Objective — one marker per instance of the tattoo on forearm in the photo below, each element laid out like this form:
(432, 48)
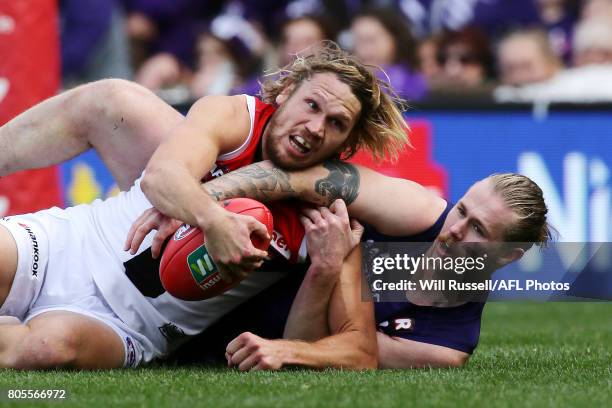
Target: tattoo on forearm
(259, 181)
(341, 182)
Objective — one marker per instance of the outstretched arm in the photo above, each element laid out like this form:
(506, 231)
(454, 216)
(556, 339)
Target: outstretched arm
(393, 206)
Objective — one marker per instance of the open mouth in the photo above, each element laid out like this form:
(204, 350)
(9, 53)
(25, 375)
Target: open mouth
(300, 144)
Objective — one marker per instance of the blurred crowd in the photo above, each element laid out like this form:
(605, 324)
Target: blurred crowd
(512, 50)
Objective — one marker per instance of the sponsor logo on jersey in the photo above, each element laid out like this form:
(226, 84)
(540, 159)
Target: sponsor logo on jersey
(35, 256)
(171, 331)
(279, 242)
(203, 269)
(183, 231)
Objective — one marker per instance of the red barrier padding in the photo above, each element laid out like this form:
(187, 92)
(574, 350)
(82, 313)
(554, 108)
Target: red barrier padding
(414, 163)
(29, 73)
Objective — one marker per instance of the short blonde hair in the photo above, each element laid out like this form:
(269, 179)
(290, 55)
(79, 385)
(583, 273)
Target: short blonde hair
(380, 127)
(526, 199)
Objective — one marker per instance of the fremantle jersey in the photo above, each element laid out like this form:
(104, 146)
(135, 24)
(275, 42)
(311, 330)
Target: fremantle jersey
(265, 314)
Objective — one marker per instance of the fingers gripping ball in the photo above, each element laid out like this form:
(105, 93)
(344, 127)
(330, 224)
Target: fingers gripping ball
(186, 270)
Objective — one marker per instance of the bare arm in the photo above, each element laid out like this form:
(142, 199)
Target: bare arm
(330, 238)
(172, 178)
(395, 352)
(393, 206)
(172, 184)
(352, 345)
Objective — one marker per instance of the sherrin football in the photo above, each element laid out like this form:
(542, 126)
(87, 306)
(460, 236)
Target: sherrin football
(186, 270)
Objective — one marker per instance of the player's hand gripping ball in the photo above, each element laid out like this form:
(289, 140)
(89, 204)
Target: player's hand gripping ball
(186, 270)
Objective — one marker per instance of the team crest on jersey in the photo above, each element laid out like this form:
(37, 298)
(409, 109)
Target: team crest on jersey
(171, 332)
(183, 231)
(203, 269)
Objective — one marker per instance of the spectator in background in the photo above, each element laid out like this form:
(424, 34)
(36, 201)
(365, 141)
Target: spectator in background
(163, 35)
(491, 16)
(382, 38)
(160, 71)
(227, 53)
(596, 9)
(298, 37)
(558, 17)
(428, 59)
(465, 59)
(526, 57)
(93, 42)
(589, 80)
(593, 41)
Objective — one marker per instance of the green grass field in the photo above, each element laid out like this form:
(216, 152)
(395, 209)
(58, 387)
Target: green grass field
(536, 354)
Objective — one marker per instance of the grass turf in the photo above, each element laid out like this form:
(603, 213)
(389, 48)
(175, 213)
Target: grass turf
(531, 354)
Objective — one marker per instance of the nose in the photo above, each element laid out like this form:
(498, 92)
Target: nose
(457, 230)
(316, 126)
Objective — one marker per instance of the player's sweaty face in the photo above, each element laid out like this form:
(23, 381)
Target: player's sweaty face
(312, 123)
(476, 224)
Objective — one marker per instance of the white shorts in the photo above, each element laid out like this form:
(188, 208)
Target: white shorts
(38, 287)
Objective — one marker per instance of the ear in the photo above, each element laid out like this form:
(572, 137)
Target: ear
(512, 255)
(285, 94)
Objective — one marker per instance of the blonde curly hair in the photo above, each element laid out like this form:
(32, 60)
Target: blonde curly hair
(380, 127)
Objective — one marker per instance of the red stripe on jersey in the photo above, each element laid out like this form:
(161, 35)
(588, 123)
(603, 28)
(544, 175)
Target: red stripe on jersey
(288, 230)
(263, 112)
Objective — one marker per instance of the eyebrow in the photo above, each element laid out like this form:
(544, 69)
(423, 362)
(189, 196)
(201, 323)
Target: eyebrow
(475, 220)
(345, 119)
(342, 113)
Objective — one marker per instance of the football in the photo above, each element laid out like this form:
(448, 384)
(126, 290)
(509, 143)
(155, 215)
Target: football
(187, 271)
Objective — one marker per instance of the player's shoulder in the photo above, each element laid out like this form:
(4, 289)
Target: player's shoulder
(225, 118)
(234, 105)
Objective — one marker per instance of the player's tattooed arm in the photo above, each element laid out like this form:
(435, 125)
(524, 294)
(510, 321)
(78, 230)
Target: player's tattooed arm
(260, 181)
(342, 181)
(320, 185)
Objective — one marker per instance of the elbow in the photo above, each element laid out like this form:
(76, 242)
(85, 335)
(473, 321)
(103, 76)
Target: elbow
(457, 360)
(369, 362)
(368, 356)
(147, 183)
(363, 361)
(151, 179)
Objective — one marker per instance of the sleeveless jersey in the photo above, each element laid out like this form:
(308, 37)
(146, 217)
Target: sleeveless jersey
(130, 283)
